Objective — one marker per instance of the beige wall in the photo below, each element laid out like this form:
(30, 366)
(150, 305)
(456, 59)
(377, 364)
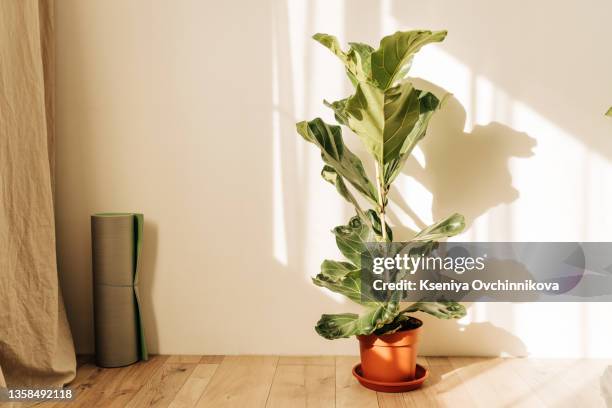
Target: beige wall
(184, 111)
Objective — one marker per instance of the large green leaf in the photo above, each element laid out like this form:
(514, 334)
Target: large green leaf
(335, 326)
(428, 104)
(382, 120)
(451, 225)
(335, 271)
(346, 279)
(402, 108)
(349, 286)
(392, 59)
(359, 62)
(364, 115)
(441, 310)
(328, 138)
(353, 237)
(609, 112)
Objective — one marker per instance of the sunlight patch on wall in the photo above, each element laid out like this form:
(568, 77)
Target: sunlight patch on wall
(388, 23)
(551, 170)
(315, 74)
(327, 79)
(485, 100)
(443, 70)
(420, 202)
(298, 38)
(325, 209)
(279, 232)
(419, 156)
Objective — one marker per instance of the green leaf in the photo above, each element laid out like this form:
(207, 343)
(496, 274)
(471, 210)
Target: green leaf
(335, 271)
(345, 278)
(428, 104)
(392, 59)
(349, 286)
(448, 227)
(332, 43)
(352, 238)
(382, 120)
(359, 62)
(376, 224)
(365, 116)
(393, 326)
(330, 175)
(335, 326)
(328, 138)
(339, 108)
(441, 310)
(609, 112)
(356, 60)
(402, 108)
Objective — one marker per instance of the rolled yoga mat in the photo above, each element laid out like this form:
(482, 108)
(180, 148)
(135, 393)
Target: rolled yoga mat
(116, 240)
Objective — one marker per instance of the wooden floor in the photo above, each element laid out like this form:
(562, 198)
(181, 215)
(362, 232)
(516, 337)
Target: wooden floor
(271, 381)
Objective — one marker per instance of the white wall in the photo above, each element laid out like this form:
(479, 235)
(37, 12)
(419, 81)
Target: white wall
(185, 111)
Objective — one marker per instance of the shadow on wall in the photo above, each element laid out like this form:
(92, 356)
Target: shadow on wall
(473, 339)
(531, 64)
(466, 173)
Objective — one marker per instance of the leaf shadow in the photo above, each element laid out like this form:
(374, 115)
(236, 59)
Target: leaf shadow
(465, 172)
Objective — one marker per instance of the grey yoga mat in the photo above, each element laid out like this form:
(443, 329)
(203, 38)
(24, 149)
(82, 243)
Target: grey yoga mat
(116, 240)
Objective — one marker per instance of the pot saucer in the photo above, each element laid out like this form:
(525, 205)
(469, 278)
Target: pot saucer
(403, 386)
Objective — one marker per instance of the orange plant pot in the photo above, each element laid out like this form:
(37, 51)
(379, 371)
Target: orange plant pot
(390, 357)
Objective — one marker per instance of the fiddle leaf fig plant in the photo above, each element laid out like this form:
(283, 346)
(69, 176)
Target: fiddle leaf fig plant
(390, 116)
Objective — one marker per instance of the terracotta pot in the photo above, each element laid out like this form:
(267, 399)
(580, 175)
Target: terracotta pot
(390, 357)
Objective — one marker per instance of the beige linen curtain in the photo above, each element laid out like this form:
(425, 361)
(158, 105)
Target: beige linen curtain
(36, 346)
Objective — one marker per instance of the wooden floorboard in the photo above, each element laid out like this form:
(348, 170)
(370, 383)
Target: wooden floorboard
(307, 360)
(491, 382)
(187, 381)
(191, 392)
(349, 394)
(162, 387)
(443, 388)
(303, 386)
(124, 383)
(240, 381)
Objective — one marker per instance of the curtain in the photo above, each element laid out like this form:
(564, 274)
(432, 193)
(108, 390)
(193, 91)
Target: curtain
(36, 346)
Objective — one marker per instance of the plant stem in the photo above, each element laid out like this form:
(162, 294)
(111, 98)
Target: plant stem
(382, 199)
